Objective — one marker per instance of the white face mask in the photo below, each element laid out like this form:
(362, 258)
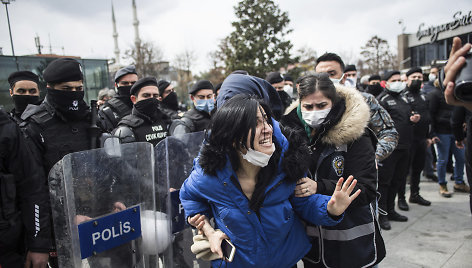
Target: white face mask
(336, 81)
(257, 158)
(432, 77)
(315, 118)
(350, 82)
(396, 86)
(289, 90)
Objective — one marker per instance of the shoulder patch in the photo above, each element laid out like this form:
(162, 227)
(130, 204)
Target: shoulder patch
(391, 102)
(338, 165)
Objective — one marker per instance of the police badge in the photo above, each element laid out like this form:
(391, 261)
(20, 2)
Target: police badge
(338, 165)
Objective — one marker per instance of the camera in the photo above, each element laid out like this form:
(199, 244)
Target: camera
(463, 83)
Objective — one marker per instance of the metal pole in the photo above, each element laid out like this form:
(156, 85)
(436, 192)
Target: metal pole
(9, 29)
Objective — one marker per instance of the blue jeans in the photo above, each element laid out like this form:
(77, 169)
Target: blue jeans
(447, 143)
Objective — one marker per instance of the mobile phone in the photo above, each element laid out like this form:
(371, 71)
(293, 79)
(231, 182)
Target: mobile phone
(228, 250)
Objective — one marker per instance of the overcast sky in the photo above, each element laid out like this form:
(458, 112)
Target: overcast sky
(84, 28)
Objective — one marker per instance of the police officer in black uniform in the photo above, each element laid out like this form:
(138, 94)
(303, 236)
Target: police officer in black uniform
(119, 106)
(24, 207)
(146, 122)
(169, 103)
(278, 82)
(418, 103)
(198, 118)
(24, 90)
(394, 169)
(61, 124)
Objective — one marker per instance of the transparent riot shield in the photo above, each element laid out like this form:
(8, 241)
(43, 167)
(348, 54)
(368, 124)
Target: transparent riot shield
(105, 211)
(174, 161)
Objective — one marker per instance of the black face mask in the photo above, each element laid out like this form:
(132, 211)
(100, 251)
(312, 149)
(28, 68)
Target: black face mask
(374, 89)
(415, 85)
(148, 107)
(284, 97)
(171, 101)
(124, 95)
(70, 104)
(22, 101)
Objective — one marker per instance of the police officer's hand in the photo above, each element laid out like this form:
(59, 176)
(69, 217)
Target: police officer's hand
(429, 142)
(415, 118)
(435, 140)
(305, 187)
(118, 206)
(81, 218)
(454, 65)
(36, 260)
(460, 144)
(342, 198)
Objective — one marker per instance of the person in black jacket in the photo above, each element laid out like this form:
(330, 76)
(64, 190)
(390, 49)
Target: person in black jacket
(333, 122)
(169, 103)
(198, 118)
(146, 123)
(119, 106)
(24, 90)
(24, 210)
(394, 169)
(277, 81)
(443, 137)
(419, 105)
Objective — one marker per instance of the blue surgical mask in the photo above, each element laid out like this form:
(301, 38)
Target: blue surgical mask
(205, 105)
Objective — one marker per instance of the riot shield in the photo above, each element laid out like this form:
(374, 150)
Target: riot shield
(174, 161)
(105, 211)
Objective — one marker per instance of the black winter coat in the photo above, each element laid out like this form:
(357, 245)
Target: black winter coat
(400, 111)
(24, 196)
(419, 104)
(340, 147)
(441, 113)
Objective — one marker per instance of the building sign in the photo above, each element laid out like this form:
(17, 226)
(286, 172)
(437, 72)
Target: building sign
(433, 31)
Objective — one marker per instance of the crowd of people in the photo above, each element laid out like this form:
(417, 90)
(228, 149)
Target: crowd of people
(303, 166)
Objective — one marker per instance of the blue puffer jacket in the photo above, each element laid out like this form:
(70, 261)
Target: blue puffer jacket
(275, 239)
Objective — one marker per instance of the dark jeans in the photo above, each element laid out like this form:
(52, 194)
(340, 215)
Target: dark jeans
(417, 156)
(392, 173)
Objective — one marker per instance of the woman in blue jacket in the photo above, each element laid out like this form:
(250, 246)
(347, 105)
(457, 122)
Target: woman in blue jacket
(243, 179)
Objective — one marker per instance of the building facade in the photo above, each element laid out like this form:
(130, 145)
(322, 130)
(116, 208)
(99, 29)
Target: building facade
(96, 74)
(432, 44)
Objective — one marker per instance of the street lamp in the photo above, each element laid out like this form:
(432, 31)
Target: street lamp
(6, 2)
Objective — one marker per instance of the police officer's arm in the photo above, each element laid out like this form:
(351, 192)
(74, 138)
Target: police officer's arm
(433, 100)
(177, 127)
(32, 193)
(125, 134)
(106, 119)
(383, 126)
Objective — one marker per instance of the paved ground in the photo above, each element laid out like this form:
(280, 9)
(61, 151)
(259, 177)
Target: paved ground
(436, 236)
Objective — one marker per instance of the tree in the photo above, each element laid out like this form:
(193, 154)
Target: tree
(377, 55)
(257, 42)
(146, 57)
(184, 62)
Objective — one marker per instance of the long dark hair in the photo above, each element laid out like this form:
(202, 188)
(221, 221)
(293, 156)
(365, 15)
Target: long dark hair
(229, 130)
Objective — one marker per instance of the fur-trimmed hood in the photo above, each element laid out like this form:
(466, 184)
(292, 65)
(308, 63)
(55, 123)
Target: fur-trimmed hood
(352, 123)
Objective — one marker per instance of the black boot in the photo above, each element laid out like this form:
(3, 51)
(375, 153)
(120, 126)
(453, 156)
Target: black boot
(402, 204)
(384, 222)
(418, 199)
(395, 216)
